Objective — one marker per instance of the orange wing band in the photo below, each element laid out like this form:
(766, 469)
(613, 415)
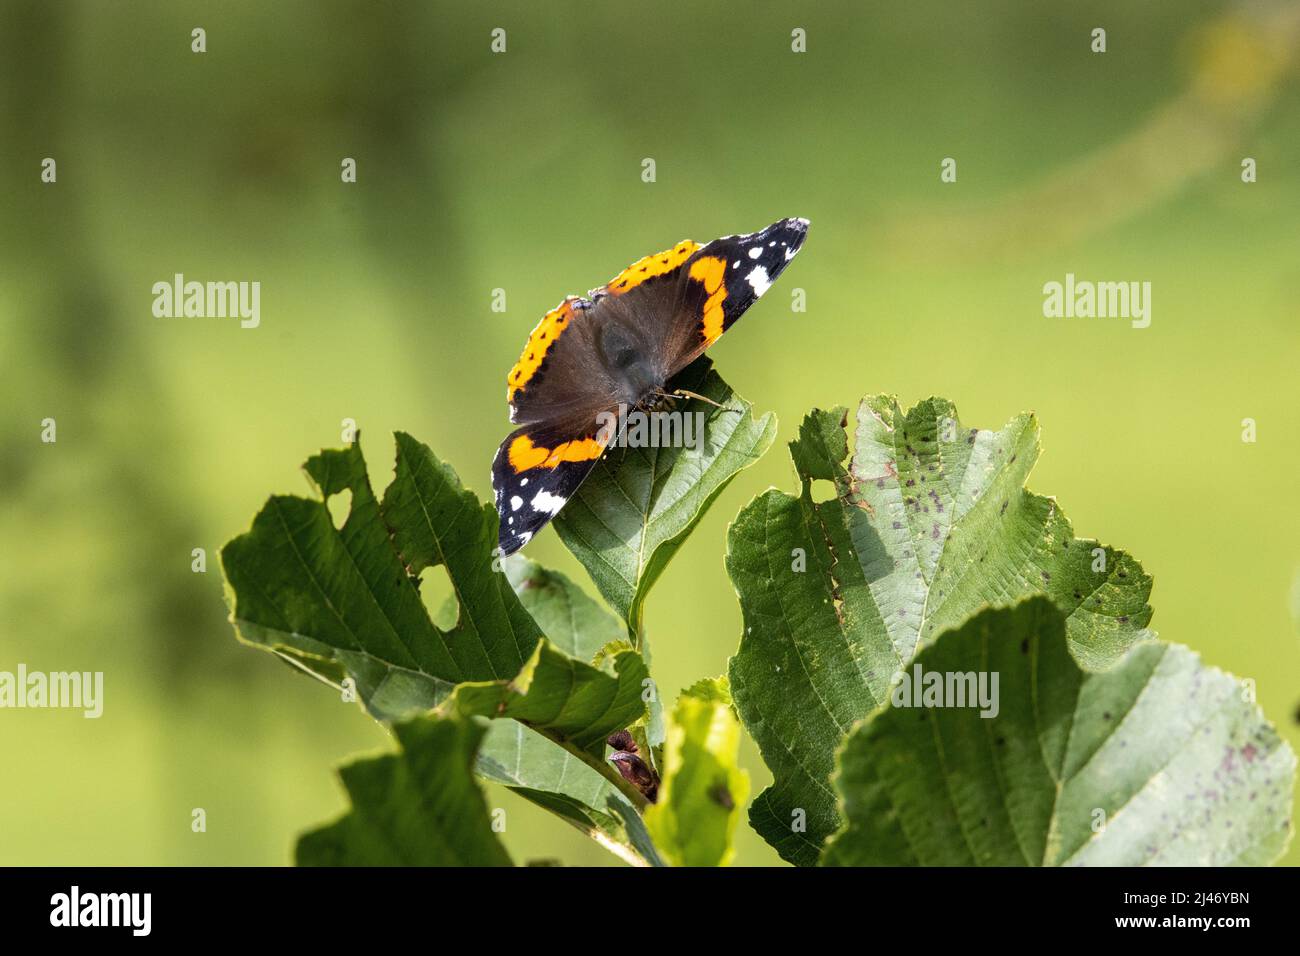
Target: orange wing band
(539, 341)
(650, 267)
(709, 271)
(524, 455)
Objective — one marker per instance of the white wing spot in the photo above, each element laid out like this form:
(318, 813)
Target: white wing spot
(758, 280)
(516, 502)
(545, 501)
(755, 252)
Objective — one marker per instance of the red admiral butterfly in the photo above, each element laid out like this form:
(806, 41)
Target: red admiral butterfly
(620, 346)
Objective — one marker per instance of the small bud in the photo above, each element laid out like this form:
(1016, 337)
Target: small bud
(622, 740)
(635, 772)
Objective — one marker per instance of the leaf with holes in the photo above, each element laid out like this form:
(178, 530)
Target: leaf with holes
(418, 807)
(345, 601)
(1159, 760)
(930, 521)
(639, 504)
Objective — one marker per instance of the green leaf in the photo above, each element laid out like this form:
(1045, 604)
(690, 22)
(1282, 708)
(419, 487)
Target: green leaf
(639, 504)
(417, 807)
(537, 768)
(703, 788)
(570, 619)
(544, 773)
(649, 731)
(346, 601)
(1159, 760)
(929, 522)
(572, 703)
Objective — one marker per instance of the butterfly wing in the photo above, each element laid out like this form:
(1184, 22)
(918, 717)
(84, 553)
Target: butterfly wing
(536, 471)
(553, 374)
(723, 279)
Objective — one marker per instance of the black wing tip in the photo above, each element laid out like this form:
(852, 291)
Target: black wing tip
(790, 232)
(790, 226)
(798, 230)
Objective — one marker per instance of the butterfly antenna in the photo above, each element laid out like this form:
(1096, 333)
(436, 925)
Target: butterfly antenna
(708, 401)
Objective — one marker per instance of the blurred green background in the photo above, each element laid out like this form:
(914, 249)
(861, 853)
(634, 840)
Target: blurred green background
(522, 171)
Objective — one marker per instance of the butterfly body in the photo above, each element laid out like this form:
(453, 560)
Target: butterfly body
(619, 347)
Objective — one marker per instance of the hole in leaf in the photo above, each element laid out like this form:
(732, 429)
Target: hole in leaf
(340, 506)
(823, 490)
(439, 597)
